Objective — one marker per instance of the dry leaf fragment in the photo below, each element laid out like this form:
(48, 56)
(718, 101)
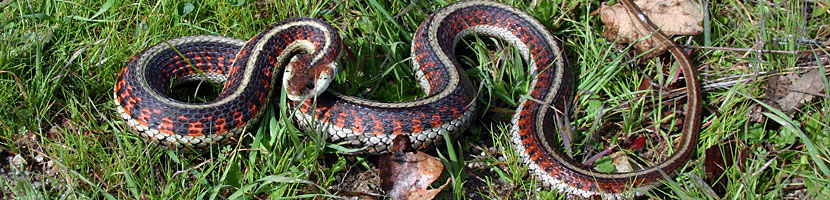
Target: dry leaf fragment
(674, 17)
(788, 92)
(407, 175)
(638, 143)
(425, 194)
(621, 163)
(718, 159)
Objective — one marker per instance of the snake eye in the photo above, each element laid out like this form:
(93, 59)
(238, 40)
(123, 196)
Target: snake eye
(310, 85)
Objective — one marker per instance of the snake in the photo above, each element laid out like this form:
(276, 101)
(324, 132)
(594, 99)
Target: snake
(306, 51)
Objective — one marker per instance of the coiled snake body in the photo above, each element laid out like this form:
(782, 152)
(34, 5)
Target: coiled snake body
(309, 48)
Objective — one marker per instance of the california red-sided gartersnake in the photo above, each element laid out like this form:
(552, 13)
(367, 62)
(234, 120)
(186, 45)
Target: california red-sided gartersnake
(309, 48)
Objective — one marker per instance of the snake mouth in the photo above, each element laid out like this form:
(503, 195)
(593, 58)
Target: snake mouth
(305, 82)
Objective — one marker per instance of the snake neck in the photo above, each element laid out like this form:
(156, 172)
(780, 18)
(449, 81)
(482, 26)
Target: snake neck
(309, 46)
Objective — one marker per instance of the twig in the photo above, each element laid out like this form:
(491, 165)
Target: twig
(755, 50)
(706, 187)
(801, 41)
(598, 155)
(746, 11)
(193, 168)
(565, 134)
(807, 92)
(764, 167)
(77, 53)
(18, 83)
(406, 10)
(595, 126)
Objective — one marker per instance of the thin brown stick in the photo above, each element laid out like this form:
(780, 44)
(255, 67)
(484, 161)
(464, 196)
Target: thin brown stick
(18, 83)
(746, 11)
(756, 50)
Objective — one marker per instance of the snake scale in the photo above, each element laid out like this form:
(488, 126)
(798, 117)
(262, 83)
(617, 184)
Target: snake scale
(309, 48)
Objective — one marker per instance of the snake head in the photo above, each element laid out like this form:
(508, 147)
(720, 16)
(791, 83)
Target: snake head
(304, 78)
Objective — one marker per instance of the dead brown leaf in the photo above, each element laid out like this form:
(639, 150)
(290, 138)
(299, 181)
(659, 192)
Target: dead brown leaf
(718, 159)
(674, 17)
(407, 175)
(791, 91)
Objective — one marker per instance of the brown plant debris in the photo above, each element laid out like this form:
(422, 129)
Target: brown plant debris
(407, 175)
(674, 17)
(788, 92)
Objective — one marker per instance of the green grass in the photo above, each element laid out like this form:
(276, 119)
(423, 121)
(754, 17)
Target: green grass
(59, 61)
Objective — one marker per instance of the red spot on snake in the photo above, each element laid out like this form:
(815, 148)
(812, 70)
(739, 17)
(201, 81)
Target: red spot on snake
(209, 58)
(200, 65)
(424, 65)
(357, 125)
(455, 112)
(242, 53)
(221, 63)
(219, 125)
(195, 129)
(166, 126)
(323, 109)
(398, 129)
(416, 123)
(306, 106)
(182, 118)
(143, 116)
(263, 97)
(525, 112)
(127, 111)
(268, 71)
(124, 72)
(237, 116)
(128, 106)
(341, 119)
(378, 126)
(436, 120)
(123, 95)
(429, 75)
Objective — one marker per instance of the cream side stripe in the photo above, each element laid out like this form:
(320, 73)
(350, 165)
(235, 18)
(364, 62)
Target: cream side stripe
(141, 66)
(453, 74)
(539, 129)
